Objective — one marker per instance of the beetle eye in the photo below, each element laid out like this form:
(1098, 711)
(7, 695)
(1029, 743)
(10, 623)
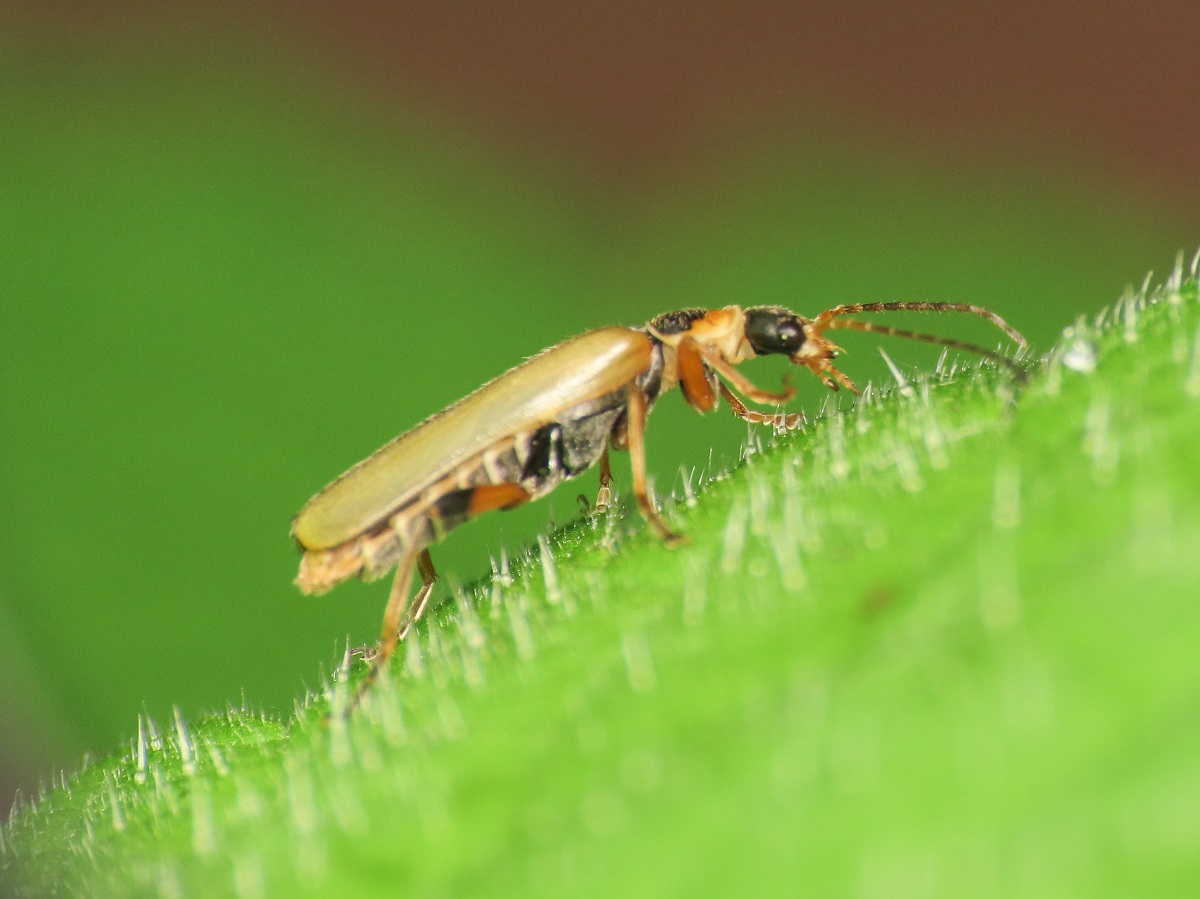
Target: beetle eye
(773, 329)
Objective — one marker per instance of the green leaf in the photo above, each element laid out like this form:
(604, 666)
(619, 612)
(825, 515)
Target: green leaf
(940, 642)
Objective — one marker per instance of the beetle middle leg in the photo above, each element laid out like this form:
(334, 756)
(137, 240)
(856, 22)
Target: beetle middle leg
(636, 436)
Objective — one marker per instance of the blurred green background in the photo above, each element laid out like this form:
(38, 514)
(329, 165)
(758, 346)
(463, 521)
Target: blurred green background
(241, 247)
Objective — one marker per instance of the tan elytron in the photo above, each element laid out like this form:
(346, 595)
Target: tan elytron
(522, 399)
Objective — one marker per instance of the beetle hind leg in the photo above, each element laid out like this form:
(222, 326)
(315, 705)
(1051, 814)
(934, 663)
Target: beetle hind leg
(400, 615)
(421, 600)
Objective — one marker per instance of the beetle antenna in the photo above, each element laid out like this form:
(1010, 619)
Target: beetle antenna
(824, 320)
(832, 319)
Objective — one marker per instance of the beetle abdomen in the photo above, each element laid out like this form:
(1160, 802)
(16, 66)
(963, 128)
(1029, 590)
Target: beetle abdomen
(533, 464)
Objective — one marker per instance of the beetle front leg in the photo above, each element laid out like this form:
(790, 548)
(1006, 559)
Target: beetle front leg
(785, 421)
(636, 435)
(743, 384)
(696, 380)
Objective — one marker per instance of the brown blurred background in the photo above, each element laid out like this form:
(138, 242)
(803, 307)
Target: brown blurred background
(630, 93)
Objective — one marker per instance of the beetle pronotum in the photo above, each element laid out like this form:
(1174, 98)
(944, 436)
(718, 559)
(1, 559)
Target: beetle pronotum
(551, 418)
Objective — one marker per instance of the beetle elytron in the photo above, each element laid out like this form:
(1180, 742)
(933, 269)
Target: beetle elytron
(551, 418)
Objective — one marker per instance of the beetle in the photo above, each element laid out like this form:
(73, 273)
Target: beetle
(550, 419)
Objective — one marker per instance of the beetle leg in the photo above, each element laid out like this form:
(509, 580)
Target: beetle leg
(619, 438)
(638, 409)
(400, 615)
(421, 600)
(785, 421)
(393, 615)
(695, 379)
(738, 380)
(604, 495)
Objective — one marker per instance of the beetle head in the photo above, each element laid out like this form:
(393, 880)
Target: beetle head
(776, 330)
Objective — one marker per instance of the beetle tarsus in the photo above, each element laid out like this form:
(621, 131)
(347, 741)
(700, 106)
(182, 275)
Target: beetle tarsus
(604, 494)
(782, 421)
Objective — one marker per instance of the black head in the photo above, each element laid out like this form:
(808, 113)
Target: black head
(773, 330)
